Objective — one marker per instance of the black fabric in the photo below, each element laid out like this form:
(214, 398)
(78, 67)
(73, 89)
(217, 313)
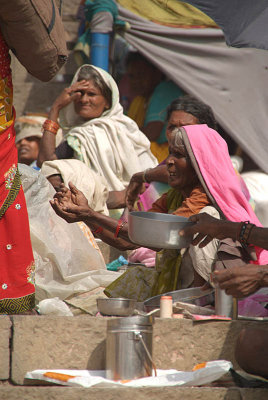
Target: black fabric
(64, 151)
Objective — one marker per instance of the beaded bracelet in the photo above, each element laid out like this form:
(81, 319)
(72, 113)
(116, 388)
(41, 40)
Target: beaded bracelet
(50, 126)
(244, 232)
(119, 227)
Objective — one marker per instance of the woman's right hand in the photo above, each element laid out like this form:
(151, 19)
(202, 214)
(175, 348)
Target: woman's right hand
(69, 95)
(135, 187)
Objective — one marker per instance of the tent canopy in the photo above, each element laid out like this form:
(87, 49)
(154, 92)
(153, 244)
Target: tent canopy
(234, 82)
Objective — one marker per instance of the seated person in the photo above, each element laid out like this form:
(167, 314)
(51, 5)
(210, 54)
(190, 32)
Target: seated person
(153, 94)
(185, 110)
(251, 348)
(96, 130)
(28, 136)
(198, 184)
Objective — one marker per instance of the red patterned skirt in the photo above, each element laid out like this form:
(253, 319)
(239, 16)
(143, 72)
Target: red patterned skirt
(17, 292)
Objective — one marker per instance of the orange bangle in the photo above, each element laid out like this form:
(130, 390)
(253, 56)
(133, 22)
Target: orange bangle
(50, 126)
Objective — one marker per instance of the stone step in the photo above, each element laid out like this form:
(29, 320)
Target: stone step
(174, 393)
(50, 342)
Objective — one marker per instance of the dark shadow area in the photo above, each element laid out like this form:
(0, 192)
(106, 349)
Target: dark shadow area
(97, 358)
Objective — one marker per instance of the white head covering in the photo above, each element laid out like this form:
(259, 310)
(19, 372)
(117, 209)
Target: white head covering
(112, 144)
(29, 125)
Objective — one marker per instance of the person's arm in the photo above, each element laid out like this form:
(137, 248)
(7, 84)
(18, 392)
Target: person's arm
(116, 199)
(241, 281)
(136, 184)
(72, 206)
(259, 237)
(48, 140)
(208, 228)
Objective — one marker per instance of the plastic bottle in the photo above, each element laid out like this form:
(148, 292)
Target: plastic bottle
(166, 308)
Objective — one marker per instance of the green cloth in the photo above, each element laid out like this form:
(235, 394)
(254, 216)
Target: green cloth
(92, 7)
(139, 282)
(164, 93)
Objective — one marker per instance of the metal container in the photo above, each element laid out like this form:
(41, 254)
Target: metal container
(195, 296)
(129, 347)
(158, 230)
(117, 306)
(224, 304)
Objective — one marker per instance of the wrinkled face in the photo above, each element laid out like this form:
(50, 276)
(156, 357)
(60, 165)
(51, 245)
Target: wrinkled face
(181, 173)
(28, 149)
(178, 119)
(91, 103)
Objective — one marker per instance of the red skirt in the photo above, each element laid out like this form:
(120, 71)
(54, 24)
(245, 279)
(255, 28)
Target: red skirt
(17, 292)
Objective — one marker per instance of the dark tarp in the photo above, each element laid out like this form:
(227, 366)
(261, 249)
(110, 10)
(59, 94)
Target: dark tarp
(234, 82)
(244, 22)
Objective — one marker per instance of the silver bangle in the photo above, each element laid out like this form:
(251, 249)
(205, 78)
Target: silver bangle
(144, 175)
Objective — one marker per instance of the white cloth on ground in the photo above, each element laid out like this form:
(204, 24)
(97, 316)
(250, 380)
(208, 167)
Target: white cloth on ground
(92, 185)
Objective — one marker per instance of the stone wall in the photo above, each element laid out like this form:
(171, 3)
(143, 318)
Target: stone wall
(43, 342)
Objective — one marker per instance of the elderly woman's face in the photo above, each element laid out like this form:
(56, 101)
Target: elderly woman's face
(91, 104)
(178, 119)
(182, 176)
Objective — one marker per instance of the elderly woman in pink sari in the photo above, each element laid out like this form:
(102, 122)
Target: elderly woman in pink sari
(202, 179)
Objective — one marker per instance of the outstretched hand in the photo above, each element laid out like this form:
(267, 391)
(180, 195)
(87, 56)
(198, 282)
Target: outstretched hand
(207, 228)
(71, 204)
(135, 187)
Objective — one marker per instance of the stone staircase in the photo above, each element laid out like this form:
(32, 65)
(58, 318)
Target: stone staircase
(46, 342)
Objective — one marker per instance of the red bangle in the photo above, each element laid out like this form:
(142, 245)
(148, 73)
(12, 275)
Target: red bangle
(119, 227)
(97, 230)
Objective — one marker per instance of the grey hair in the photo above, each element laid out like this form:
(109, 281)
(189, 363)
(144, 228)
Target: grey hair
(89, 73)
(176, 136)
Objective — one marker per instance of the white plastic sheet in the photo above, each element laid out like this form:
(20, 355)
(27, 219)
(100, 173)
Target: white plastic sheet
(66, 262)
(212, 371)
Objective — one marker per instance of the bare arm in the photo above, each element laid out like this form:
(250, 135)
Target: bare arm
(48, 140)
(208, 227)
(136, 184)
(72, 206)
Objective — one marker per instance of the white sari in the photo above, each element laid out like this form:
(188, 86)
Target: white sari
(112, 145)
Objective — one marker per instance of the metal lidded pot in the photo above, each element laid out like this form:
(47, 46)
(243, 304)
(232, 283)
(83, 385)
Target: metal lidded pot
(129, 347)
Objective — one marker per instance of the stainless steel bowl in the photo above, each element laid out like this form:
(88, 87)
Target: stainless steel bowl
(195, 296)
(119, 307)
(158, 230)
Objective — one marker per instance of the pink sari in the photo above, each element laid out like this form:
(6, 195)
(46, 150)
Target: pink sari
(214, 163)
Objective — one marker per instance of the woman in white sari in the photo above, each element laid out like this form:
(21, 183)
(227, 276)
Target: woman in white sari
(96, 130)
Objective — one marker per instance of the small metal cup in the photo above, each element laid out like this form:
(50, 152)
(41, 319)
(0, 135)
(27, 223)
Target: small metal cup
(224, 304)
